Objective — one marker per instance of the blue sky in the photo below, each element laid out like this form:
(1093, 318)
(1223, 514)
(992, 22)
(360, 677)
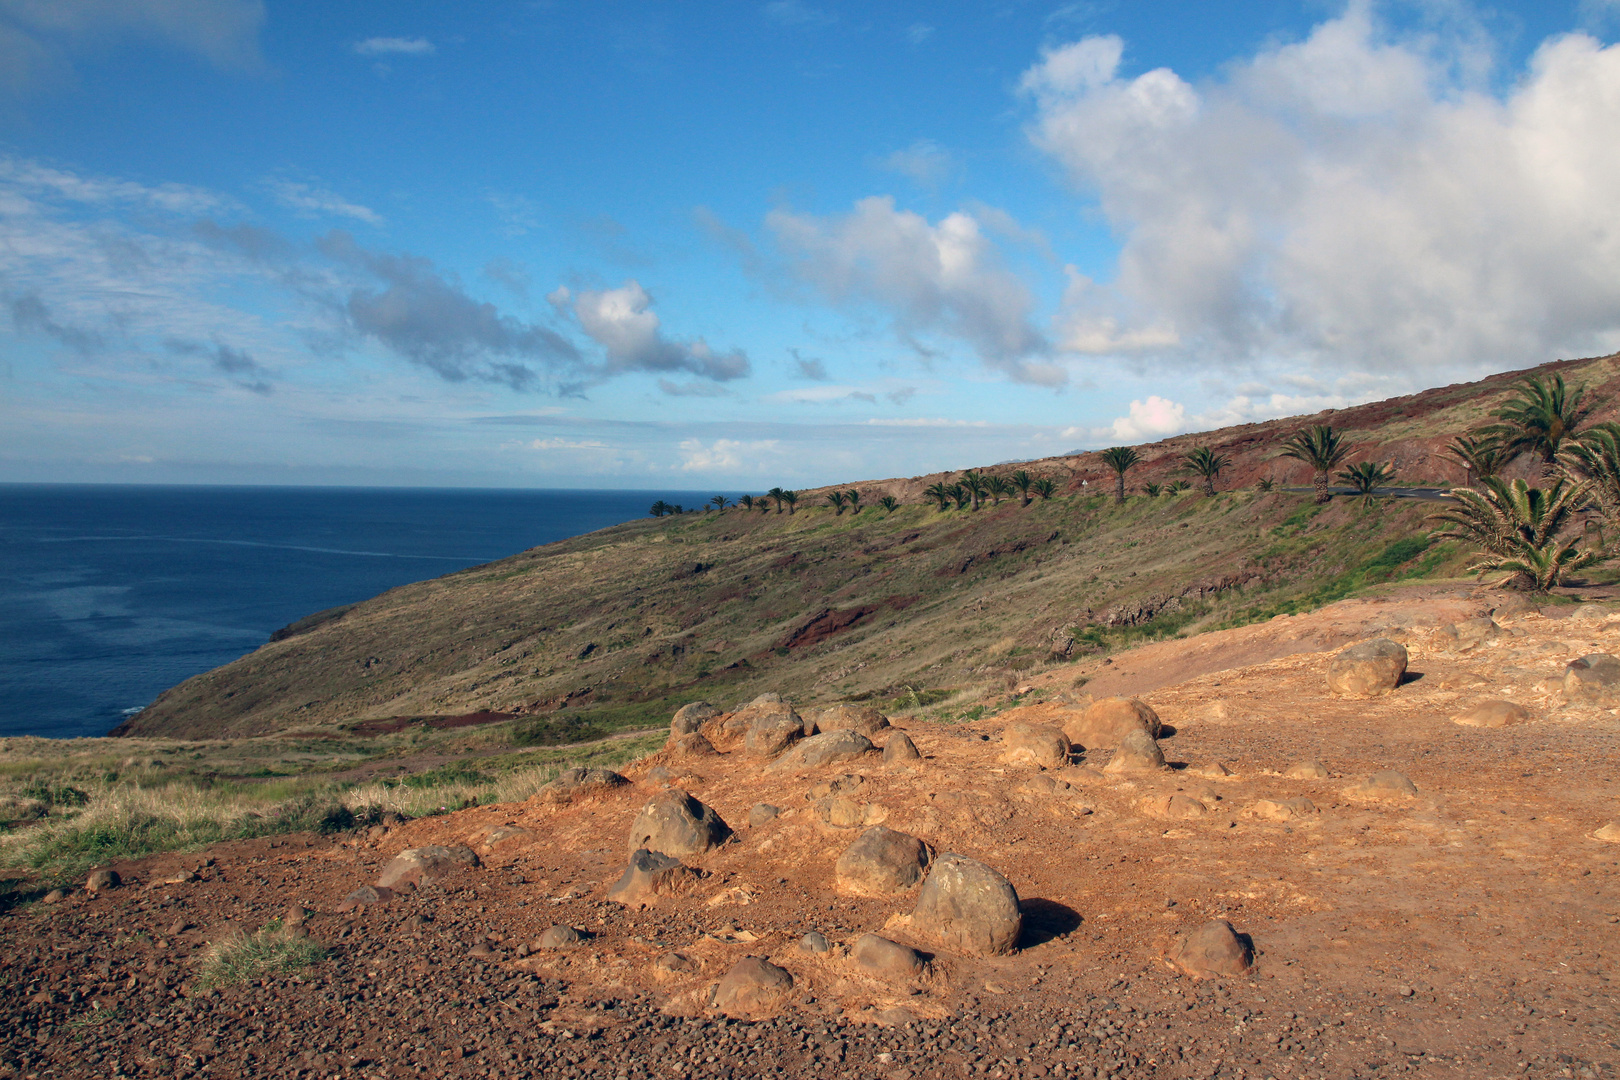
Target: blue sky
(741, 245)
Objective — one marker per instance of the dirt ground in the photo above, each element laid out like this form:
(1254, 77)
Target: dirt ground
(1467, 931)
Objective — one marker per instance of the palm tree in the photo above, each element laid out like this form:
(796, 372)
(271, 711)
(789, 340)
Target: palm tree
(1044, 488)
(1120, 459)
(1480, 457)
(1265, 483)
(1206, 463)
(836, 498)
(789, 497)
(1021, 480)
(763, 504)
(659, 509)
(1366, 475)
(939, 493)
(889, 503)
(853, 497)
(1594, 456)
(1322, 449)
(776, 493)
(745, 501)
(997, 486)
(720, 502)
(962, 495)
(975, 485)
(1152, 490)
(1177, 487)
(1516, 527)
(1539, 419)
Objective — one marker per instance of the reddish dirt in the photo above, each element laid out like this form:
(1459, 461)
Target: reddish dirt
(1469, 931)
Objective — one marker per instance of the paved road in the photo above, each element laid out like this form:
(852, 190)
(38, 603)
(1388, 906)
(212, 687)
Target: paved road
(1426, 494)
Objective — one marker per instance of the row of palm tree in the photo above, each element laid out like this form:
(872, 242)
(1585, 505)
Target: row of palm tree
(975, 487)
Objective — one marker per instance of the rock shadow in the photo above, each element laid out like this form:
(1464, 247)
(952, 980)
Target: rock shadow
(1166, 731)
(1045, 920)
(1411, 677)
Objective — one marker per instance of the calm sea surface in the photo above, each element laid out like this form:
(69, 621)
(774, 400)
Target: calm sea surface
(111, 594)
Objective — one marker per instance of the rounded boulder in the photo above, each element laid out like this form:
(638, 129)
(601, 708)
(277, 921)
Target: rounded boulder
(674, 823)
(882, 862)
(1367, 670)
(771, 733)
(1213, 950)
(1137, 752)
(886, 959)
(900, 748)
(968, 907)
(1492, 714)
(1040, 745)
(1105, 724)
(861, 718)
(688, 718)
(825, 749)
(754, 987)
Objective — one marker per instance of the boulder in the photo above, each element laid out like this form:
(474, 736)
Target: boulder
(415, 867)
(571, 784)
(968, 907)
(1593, 679)
(674, 823)
(886, 959)
(825, 749)
(761, 814)
(1367, 670)
(102, 880)
(1137, 752)
(861, 718)
(882, 862)
(816, 943)
(752, 988)
(1105, 723)
(1040, 745)
(842, 812)
(688, 718)
(1280, 809)
(1213, 950)
(1175, 807)
(1384, 785)
(1492, 714)
(693, 745)
(674, 965)
(900, 748)
(560, 937)
(1307, 770)
(771, 733)
(1465, 635)
(649, 876)
(770, 697)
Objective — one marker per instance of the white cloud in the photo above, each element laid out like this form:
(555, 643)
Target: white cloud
(725, 455)
(945, 278)
(312, 200)
(924, 161)
(1152, 419)
(395, 46)
(622, 321)
(924, 422)
(1354, 198)
(560, 443)
(36, 181)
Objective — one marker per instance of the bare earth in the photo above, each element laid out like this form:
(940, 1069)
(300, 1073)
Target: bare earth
(1469, 931)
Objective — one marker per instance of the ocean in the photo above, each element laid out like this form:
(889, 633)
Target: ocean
(111, 594)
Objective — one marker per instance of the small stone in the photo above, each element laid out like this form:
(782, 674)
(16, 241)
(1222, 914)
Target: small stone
(882, 862)
(1040, 745)
(55, 896)
(815, 942)
(1492, 714)
(1280, 809)
(649, 876)
(900, 748)
(482, 949)
(968, 907)
(673, 965)
(1106, 723)
(506, 835)
(560, 936)
(100, 880)
(1593, 679)
(415, 867)
(1137, 752)
(754, 987)
(1404, 991)
(1369, 669)
(295, 915)
(762, 813)
(1384, 785)
(1176, 807)
(1214, 770)
(1465, 635)
(366, 896)
(1214, 949)
(889, 959)
(675, 823)
(1307, 770)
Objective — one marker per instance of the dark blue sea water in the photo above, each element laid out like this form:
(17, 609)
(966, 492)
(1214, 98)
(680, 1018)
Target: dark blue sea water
(111, 594)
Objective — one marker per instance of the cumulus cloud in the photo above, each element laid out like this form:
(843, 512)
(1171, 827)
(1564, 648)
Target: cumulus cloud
(1147, 420)
(724, 455)
(946, 278)
(312, 200)
(38, 37)
(622, 321)
(1355, 197)
(431, 320)
(924, 161)
(395, 46)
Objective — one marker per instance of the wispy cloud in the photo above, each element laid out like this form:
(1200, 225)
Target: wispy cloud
(797, 13)
(919, 32)
(923, 161)
(312, 200)
(395, 46)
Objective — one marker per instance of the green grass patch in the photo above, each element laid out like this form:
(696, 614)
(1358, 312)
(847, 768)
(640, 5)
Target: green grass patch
(268, 952)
